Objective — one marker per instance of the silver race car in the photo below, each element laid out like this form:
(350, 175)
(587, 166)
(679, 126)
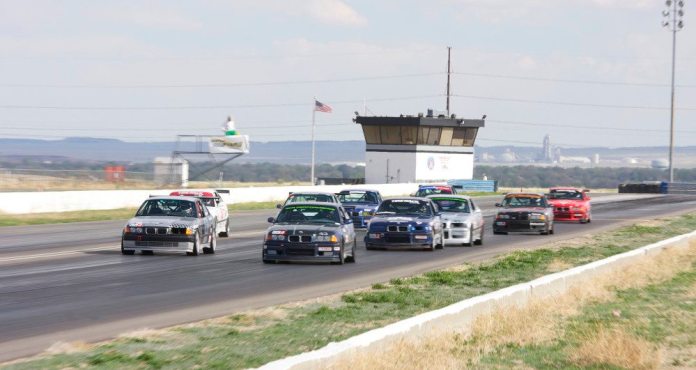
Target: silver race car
(172, 224)
(462, 220)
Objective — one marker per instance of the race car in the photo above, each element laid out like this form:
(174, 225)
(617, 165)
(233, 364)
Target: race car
(216, 205)
(171, 224)
(570, 204)
(524, 212)
(309, 196)
(405, 223)
(425, 190)
(360, 205)
(462, 220)
(310, 232)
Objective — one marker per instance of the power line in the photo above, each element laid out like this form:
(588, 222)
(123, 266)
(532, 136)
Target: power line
(203, 107)
(549, 102)
(225, 85)
(573, 81)
(579, 126)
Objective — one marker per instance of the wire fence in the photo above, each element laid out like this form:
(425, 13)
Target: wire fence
(45, 179)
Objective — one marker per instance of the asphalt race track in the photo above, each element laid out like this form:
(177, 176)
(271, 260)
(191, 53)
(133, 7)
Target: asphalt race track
(70, 282)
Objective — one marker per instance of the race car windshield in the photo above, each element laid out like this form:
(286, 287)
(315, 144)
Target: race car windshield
(167, 208)
(295, 198)
(357, 197)
(565, 195)
(308, 215)
(453, 205)
(210, 202)
(404, 208)
(523, 202)
(427, 191)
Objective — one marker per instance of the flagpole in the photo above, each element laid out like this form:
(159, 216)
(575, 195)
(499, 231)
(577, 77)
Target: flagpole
(314, 112)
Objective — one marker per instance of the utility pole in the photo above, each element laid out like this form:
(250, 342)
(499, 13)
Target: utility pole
(449, 71)
(673, 21)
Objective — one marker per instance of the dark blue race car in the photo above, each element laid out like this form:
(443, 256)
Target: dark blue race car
(360, 204)
(405, 223)
(310, 232)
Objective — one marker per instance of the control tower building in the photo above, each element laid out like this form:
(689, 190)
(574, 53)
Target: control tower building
(419, 148)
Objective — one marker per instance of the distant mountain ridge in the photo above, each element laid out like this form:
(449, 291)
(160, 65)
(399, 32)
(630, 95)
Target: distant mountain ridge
(286, 152)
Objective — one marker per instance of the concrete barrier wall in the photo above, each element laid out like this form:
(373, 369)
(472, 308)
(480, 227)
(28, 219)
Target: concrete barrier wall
(61, 201)
(463, 313)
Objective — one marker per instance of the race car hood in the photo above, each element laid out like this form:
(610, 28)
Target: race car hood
(360, 206)
(522, 209)
(161, 221)
(457, 217)
(567, 202)
(294, 229)
(380, 223)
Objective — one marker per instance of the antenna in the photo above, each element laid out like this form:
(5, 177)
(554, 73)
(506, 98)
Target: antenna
(449, 70)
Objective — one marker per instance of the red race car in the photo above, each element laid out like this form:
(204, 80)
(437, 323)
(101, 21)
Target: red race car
(570, 204)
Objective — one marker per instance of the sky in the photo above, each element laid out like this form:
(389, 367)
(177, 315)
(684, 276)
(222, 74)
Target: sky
(586, 72)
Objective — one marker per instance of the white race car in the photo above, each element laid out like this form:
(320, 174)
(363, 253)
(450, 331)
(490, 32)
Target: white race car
(215, 204)
(462, 219)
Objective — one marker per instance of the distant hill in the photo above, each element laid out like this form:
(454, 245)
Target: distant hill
(95, 149)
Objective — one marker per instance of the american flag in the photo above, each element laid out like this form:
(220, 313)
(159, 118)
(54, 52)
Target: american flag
(321, 107)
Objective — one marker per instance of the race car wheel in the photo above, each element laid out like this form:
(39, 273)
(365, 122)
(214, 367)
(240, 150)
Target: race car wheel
(552, 230)
(147, 253)
(479, 241)
(369, 247)
(471, 237)
(342, 256)
(351, 259)
(226, 232)
(194, 252)
(125, 252)
(211, 245)
(441, 243)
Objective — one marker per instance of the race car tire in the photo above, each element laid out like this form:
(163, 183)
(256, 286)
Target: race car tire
(479, 241)
(351, 259)
(441, 241)
(125, 252)
(369, 247)
(226, 232)
(552, 230)
(194, 252)
(499, 232)
(342, 257)
(212, 244)
(269, 261)
(147, 253)
(471, 237)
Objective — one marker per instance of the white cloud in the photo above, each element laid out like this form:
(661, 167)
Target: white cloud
(147, 15)
(335, 12)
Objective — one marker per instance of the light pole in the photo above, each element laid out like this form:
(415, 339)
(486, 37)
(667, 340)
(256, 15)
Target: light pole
(673, 21)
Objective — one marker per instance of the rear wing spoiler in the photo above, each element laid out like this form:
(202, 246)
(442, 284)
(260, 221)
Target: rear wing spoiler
(223, 191)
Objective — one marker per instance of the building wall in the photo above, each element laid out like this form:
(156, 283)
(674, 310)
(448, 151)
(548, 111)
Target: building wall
(390, 167)
(406, 167)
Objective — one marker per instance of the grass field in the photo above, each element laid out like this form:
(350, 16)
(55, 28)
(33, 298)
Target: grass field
(252, 338)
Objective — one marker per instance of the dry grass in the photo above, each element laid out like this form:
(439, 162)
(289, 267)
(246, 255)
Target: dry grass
(615, 346)
(538, 322)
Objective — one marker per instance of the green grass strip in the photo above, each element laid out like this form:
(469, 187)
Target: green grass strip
(257, 337)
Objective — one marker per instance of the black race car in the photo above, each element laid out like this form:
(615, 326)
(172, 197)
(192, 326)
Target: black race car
(310, 232)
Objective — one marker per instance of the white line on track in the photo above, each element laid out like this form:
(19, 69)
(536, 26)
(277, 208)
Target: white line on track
(258, 233)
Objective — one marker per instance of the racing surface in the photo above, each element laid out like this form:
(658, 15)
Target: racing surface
(70, 282)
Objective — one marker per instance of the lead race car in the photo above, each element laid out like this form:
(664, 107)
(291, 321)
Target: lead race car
(570, 204)
(310, 232)
(405, 223)
(462, 220)
(524, 212)
(360, 204)
(171, 224)
(215, 204)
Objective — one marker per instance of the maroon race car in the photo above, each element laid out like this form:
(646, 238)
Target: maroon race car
(570, 204)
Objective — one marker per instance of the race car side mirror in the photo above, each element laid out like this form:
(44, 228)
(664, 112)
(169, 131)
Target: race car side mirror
(271, 219)
(498, 205)
(279, 206)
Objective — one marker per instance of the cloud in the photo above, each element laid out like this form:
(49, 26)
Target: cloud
(148, 15)
(335, 12)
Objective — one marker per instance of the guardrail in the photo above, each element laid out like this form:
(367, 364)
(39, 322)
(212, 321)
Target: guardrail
(662, 187)
(490, 186)
(464, 313)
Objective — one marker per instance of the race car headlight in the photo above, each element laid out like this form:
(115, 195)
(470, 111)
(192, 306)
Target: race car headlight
(189, 231)
(576, 208)
(503, 216)
(537, 216)
(133, 229)
(276, 235)
(328, 238)
(367, 212)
